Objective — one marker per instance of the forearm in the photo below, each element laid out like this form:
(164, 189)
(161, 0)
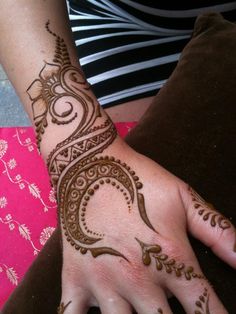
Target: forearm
(25, 45)
(39, 56)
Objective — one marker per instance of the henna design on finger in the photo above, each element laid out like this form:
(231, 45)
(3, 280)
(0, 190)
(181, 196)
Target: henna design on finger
(202, 304)
(61, 309)
(160, 311)
(166, 263)
(60, 95)
(209, 213)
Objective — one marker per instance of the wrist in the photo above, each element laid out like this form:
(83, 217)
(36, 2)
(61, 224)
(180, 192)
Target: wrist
(100, 141)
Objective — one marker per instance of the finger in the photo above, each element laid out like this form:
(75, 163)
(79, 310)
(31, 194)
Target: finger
(150, 300)
(72, 307)
(73, 301)
(185, 279)
(210, 227)
(197, 296)
(111, 303)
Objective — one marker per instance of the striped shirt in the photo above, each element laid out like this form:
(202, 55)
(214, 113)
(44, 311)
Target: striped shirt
(128, 48)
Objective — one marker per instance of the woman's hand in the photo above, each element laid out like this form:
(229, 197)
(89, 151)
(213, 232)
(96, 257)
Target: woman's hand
(134, 217)
(120, 251)
(124, 218)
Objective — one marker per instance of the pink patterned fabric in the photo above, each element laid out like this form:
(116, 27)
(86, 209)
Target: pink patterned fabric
(27, 204)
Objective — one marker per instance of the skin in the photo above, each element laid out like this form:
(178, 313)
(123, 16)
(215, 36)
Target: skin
(130, 248)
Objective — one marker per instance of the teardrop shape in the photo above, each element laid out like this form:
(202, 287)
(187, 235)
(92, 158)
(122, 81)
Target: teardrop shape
(154, 249)
(159, 265)
(146, 258)
(198, 304)
(178, 272)
(206, 216)
(163, 257)
(168, 269)
(171, 262)
(213, 220)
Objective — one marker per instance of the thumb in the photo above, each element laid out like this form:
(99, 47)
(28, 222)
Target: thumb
(209, 226)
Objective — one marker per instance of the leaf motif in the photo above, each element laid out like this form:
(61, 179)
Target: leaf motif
(52, 197)
(24, 232)
(46, 234)
(3, 147)
(34, 190)
(12, 276)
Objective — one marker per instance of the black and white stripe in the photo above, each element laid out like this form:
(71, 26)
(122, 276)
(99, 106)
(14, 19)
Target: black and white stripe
(129, 48)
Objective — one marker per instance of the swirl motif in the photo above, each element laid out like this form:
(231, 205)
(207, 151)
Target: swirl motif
(61, 94)
(96, 171)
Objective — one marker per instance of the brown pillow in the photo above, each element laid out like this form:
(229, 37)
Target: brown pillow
(190, 130)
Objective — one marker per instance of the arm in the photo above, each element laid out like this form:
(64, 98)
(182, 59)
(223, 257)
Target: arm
(116, 207)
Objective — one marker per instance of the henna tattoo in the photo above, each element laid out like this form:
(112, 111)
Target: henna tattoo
(160, 311)
(77, 187)
(59, 96)
(61, 309)
(61, 86)
(76, 148)
(166, 263)
(208, 212)
(202, 304)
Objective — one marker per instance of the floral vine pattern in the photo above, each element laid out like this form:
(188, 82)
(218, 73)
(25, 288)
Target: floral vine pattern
(26, 221)
(21, 182)
(22, 228)
(10, 273)
(28, 142)
(163, 262)
(208, 212)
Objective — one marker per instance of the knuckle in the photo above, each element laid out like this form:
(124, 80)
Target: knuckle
(174, 251)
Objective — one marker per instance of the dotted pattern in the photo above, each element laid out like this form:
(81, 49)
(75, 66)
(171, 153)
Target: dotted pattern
(77, 150)
(123, 179)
